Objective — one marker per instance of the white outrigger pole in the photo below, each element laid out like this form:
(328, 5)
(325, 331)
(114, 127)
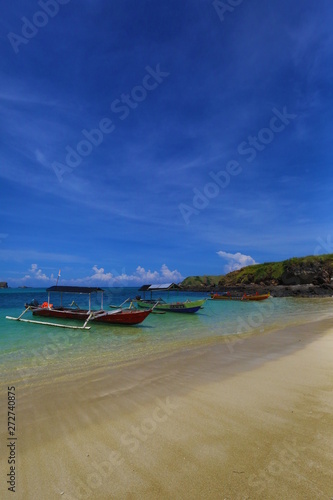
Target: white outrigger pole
(84, 327)
(92, 314)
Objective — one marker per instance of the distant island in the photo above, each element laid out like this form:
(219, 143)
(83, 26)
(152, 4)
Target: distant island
(298, 276)
(3, 284)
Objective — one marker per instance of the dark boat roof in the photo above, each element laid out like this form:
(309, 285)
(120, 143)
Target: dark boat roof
(74, 289)
(163, 287)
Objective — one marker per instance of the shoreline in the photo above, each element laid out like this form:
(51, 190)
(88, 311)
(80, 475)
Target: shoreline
(306, 290)
(41, 374)
(302, 291)
(203, 422)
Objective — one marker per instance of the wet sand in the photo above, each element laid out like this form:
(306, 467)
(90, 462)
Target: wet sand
(247, 419)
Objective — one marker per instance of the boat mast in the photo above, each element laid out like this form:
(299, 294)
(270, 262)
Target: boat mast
(57, 285)
(58, 277)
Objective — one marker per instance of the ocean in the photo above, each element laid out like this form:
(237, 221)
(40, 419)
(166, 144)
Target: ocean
(37, 354)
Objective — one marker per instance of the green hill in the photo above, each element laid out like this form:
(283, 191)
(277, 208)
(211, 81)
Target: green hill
(200, 281)
(316, 270)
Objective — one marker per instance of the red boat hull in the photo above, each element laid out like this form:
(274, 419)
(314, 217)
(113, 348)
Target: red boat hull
(124, 317)
(245, 298)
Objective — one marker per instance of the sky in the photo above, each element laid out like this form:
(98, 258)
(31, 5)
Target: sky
(145, 141)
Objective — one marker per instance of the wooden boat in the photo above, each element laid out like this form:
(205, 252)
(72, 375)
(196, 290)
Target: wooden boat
(132, 302)
(159, 305)
(118, 316)
(245, 297)
(115, 317)
(189, 306)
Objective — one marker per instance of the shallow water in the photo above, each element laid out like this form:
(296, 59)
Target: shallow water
(35, 353)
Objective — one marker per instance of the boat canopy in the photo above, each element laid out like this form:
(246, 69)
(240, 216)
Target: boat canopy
(164, 286)
(74, 289)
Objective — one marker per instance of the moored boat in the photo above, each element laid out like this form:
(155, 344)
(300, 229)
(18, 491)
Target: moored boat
(244, 297)
(160, 305)
(115, 317)
(118, 316)
(188, 306)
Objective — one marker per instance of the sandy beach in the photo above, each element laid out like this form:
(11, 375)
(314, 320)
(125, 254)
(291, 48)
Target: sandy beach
(245, 419)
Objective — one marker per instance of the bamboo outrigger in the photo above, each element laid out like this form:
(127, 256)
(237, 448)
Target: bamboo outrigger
(118, 316)
(30, 308)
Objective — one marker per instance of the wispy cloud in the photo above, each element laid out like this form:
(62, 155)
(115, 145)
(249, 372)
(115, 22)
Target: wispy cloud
(120, 206)
(40, 157)
(23, 255)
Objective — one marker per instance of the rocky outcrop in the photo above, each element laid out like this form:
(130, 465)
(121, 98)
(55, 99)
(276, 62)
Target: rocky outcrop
(305, 277)
(307, 273)
(296, 271)
(3, 284)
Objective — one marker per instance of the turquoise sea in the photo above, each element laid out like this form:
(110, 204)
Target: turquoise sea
(33, 353)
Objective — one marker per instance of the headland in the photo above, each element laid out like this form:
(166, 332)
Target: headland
(310, 276)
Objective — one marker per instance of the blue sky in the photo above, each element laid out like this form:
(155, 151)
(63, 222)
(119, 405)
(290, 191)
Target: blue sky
(146, 141)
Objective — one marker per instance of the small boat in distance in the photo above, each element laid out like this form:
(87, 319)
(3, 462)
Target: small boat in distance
(118, 316)
(244, 297)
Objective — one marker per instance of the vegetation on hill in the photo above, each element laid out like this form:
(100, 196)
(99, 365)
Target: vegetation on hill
(198, 281)
(316, 270)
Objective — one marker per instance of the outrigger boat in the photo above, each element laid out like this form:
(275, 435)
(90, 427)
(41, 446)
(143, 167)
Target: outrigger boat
(189, 306)
(131, 306)
(245, 297)
(160, 305)
(118, 316)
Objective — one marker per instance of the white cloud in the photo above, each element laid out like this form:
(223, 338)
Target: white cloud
(36, 274)
(173, 276)
(139, 277)
(235, 261)
(100, 277)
